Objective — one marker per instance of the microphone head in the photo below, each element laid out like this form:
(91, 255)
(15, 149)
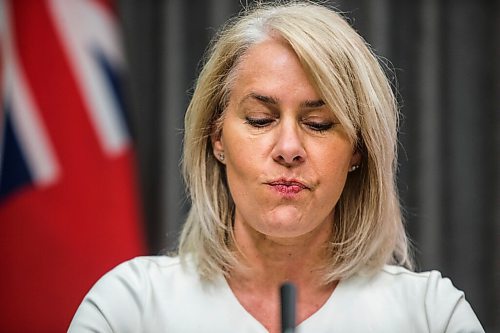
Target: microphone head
(288, 297)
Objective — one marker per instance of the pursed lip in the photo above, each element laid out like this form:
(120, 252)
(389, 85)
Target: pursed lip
(290, 183)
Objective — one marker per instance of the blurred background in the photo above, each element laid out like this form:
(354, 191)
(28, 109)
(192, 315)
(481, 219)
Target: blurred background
(445, 56)
(445, 64)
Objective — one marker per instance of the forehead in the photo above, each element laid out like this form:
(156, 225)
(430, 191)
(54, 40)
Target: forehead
(272, 68)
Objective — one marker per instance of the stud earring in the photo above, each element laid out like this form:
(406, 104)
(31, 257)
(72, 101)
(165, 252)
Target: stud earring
(353, 168)
(221, 157)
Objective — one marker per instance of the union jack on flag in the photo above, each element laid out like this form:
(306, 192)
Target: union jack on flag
(68, 201)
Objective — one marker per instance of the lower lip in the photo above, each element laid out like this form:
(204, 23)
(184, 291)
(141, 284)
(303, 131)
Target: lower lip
(287, 190)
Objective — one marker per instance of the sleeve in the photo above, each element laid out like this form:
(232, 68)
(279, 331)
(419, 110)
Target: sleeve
(115, 302)
(446, 308)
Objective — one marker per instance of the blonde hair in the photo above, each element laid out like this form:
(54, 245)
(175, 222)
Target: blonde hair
(368, 231)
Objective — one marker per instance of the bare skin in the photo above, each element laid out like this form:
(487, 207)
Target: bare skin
(287, 159)
(273, 261)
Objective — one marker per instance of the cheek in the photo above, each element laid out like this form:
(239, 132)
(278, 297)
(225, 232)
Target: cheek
(239, 175)
(333, 178)
(243, 183)
(245, 154)
(241, 170)
(332, 167)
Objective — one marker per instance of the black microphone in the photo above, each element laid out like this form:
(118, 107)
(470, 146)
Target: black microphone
(288, 297)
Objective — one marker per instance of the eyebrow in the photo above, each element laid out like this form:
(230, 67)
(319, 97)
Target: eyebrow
(313, 104)
(271, 100)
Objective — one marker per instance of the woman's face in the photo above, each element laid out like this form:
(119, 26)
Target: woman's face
(286, 156)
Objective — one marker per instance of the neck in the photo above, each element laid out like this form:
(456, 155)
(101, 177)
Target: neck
(268, 261)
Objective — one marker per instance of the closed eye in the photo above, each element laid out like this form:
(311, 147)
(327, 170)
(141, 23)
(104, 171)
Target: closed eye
(258, 122)
(319, 127)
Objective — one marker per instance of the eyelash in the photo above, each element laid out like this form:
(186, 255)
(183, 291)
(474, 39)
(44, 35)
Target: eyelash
(319, 127)
(258, 122)
(264, 122)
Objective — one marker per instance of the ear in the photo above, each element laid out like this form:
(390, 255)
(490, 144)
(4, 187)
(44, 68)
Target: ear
(218, 145)
(355, 159)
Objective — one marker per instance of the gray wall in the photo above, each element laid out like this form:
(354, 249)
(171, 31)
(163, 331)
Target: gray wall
(446, 60)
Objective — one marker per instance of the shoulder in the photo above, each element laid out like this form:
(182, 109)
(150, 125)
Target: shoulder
(405, 283)
(142, 273)
(148, 263)
(130, 288)
(146, 268)
(429, 287)
(427, 298)
(423, 283)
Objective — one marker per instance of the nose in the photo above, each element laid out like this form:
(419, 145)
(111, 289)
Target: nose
(288, 149)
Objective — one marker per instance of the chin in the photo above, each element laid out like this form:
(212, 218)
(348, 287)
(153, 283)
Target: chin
(284, 226)
(288, 222)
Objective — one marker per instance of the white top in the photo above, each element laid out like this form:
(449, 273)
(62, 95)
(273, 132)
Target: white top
(158, 294)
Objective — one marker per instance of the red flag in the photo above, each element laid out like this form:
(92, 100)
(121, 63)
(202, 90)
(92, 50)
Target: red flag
(68, 202)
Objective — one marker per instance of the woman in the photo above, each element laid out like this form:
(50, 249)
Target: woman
(289, 158)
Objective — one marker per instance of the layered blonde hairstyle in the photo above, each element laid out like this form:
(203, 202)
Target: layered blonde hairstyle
(368, 231)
